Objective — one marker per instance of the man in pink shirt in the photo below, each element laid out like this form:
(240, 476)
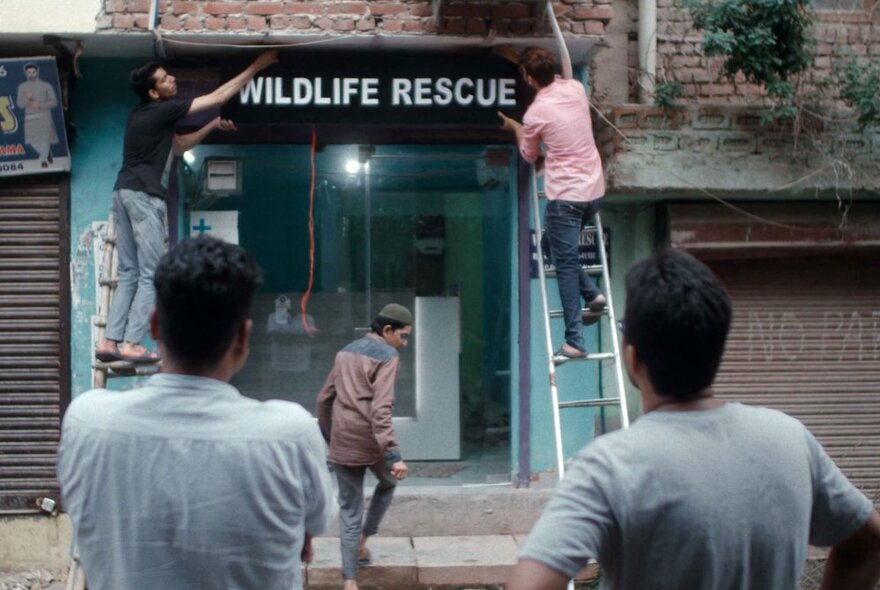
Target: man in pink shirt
(559, 117)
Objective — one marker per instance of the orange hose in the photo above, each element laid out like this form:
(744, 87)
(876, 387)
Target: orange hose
(304, 302)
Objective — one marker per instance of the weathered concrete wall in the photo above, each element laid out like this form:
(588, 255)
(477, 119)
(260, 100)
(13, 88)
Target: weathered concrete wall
(35, 541)
(727, 149)
(49, 16)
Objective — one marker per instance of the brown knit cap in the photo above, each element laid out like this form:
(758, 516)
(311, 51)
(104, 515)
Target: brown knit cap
(398, 313)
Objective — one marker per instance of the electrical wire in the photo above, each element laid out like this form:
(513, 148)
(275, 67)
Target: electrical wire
(167, 39)
(304, 302)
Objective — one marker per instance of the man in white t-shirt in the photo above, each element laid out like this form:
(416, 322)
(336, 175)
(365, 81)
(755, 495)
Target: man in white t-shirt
(185, 483)
(698, 494)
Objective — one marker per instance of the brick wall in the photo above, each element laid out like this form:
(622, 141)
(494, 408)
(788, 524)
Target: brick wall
(680, 59)
(353, 17)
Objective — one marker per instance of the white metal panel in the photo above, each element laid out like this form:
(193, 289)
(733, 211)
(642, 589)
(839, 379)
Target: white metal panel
(435, 431)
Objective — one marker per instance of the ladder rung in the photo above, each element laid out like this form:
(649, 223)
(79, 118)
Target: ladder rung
(590, 403)
(122, 365)
(136, 372)
(130, 370)
(108, 282)
(586, 313)
(599, 356)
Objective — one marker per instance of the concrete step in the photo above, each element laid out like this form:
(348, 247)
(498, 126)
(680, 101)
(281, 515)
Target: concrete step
(411, 563)
(483, 562)
(445, 511)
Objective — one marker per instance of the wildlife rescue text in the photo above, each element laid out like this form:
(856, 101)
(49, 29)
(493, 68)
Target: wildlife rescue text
(368, 92)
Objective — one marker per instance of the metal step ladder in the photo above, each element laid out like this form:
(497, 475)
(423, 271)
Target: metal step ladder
(555, 361)
(107, 282)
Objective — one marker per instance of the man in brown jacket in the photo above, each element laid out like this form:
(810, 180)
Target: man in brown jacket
(354, 412)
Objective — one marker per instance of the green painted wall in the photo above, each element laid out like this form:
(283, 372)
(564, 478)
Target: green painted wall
(273, 208)
(635, 236)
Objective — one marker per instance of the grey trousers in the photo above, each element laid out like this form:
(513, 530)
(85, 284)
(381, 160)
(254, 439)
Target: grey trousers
(141, 230)
(351, 509)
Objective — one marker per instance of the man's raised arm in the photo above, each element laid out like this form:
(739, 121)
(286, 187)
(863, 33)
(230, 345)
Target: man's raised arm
(186, 142)
(226, 91)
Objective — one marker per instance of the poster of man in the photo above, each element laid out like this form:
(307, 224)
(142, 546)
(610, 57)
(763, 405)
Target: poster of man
(32, 138)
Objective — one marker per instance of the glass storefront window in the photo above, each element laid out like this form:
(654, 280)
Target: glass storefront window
(391, 223)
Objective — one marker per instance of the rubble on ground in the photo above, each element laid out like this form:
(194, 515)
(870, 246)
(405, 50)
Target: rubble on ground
(36, 579)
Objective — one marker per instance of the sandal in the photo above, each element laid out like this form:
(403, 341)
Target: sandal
(598, 303)
(147, 357)
(108, 356)
(562, 352)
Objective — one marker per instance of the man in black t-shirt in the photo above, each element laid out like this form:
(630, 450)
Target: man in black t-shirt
(139, 196)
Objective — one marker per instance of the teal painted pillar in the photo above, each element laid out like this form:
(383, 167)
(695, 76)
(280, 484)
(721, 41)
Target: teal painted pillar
(100, 103)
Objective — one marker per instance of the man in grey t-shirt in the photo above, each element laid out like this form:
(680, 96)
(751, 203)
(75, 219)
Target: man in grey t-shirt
(699, 494)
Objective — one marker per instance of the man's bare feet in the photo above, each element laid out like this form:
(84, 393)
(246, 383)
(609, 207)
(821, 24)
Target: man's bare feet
(107, 351)
(364, 557)
(349, 585)
(137, 353)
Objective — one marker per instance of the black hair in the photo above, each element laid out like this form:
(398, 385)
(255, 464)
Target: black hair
(204, 290)
(142, 80)
(379, 323)
(31, 66)
(677, 319)
(540, 64)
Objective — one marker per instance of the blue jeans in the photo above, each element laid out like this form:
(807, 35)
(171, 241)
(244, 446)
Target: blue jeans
(351, 508)
(141, 229)
(563, 221)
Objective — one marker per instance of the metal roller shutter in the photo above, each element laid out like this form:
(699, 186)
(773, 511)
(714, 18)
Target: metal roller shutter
(805, 340)
(33, 338)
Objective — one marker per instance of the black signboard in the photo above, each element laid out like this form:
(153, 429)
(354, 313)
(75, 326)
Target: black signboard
(466, 88)
(588, 251)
